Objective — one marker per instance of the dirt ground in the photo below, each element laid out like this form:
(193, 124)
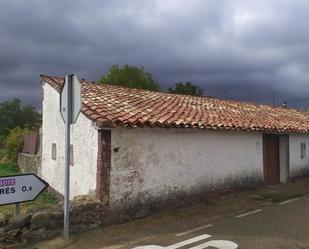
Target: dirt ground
(170, 222)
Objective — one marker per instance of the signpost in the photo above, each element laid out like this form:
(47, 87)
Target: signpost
(70, 105)
(20, 188)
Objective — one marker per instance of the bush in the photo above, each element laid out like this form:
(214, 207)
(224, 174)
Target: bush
(8, 169)
(14, 143)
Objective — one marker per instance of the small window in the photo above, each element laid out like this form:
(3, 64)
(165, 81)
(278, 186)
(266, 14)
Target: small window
(54, 151)
(302, 150)
(71, 155)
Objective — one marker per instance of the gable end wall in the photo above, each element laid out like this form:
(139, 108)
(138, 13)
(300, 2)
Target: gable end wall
(84, 138)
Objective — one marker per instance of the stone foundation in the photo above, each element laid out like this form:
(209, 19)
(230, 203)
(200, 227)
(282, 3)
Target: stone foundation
(171, 197)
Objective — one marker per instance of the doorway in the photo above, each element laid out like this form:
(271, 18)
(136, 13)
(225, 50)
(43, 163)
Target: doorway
(276, 158)
(271, 159)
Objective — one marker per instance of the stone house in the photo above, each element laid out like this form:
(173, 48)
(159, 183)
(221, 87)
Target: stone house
(131, 147)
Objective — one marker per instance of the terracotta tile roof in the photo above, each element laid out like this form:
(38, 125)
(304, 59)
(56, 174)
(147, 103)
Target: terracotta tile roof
(110, 105)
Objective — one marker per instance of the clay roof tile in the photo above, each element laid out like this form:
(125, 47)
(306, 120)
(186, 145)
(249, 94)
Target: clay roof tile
(115, 105)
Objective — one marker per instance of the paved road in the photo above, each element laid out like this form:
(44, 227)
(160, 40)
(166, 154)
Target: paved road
(278, 226)
(272, 227)
(284, 226)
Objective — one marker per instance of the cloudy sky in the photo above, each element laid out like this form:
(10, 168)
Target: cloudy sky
(236, 49)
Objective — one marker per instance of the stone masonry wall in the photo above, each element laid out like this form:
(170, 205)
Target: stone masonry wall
(30, 163)
(85, 214)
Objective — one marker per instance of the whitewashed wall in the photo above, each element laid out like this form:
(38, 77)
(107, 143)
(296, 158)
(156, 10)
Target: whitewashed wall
(297, 164)
(150, 163)
(84, 139)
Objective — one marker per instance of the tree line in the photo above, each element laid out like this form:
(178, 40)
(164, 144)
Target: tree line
(16, 120)
(137, 77)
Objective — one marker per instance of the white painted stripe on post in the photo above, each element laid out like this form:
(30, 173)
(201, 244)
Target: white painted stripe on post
(189, 241)
(194, 230)
(288, 201)
(249, 213)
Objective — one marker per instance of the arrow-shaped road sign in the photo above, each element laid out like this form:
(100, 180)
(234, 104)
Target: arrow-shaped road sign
(20, 188)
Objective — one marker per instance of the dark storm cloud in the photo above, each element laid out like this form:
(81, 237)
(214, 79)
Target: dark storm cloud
(233, 49)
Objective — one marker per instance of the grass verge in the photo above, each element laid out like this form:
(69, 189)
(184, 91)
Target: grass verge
(8, 169)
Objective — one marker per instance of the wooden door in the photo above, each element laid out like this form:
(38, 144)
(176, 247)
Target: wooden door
(103, 165)
(271, 158)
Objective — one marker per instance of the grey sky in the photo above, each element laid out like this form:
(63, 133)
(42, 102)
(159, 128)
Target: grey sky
(236, 49)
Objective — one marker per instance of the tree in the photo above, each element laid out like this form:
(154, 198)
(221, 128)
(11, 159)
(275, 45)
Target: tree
(187, 88)
(14, 114)
(14, 143)
(130, 76)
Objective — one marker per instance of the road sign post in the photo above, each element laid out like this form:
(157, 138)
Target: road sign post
(70, 105)
(17, 209)
(15, 189)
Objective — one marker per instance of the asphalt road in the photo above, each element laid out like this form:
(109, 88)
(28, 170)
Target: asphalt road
(277, 226)
(284, 226)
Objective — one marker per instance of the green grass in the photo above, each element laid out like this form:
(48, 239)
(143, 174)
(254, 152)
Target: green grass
(45, 200)
(8, 169)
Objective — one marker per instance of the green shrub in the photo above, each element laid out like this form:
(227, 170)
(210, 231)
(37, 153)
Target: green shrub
(14, 143)
(8, 169)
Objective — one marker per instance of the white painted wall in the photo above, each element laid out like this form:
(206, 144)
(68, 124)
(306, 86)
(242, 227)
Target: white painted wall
(155, 162)
(84, 139)
(298, 164)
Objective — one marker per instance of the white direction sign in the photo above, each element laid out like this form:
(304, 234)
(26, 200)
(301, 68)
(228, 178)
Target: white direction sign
(70, 99)
(20, 188)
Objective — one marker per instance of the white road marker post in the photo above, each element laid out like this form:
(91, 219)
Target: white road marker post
(70, 106)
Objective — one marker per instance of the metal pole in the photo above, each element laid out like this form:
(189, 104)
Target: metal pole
(66, 232)
(17, 209)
